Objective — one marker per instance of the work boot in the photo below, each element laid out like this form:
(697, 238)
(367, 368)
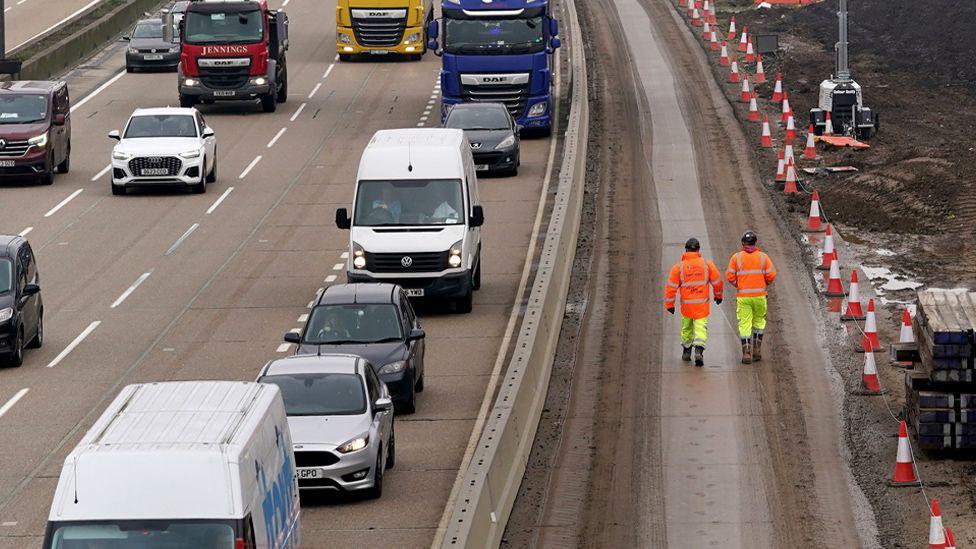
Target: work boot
(686, 354)
(746, 351)
(757, 347)
(699, 359)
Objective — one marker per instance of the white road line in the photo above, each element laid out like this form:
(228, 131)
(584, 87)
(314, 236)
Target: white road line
(220, 199)
(315, 89)
(101, 173)
(310, 303)
(59, 23)
(250, 167)
(71, 346)
(338, 266)
(26, 231)
(420, 124)
(330, 279)
(10, 404)
(336, 58)
(303, 317)
(295, 331)
(19, 2)
(423, 118)
(283, 348)
(142, 278)
(433, 96)
(298, 111)
(328, 71)
(5, 10)
(344, 255)
(61, 204)
(277, 137)
(97, 91)
(285, 3)
(182, 238)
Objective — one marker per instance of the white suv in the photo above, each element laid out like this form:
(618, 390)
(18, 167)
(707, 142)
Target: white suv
(164, 146)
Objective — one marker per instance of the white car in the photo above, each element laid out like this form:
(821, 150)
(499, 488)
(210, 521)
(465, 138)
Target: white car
(164, 146)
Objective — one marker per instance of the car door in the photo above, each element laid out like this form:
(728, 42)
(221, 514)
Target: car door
(59, 104)
(28, 318)
(417, 346)
(33, 277)
(382, 421)
(209, 143)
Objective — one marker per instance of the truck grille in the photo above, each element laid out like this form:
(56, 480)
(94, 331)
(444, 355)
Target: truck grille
(379, 33)
(224, 78)
(514, 96)
(419, 262)
(171, 164)
(13, 149)
(315, 459)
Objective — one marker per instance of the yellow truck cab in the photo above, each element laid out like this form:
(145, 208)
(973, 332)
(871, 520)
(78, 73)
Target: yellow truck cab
(382, 27)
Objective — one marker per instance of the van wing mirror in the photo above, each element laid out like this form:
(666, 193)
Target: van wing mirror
(293, 337)
(31, 289)
(342, 220)
(59, 119)
(477, 217)
(114, 134)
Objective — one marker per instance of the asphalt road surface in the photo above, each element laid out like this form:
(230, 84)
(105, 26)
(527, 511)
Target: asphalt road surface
(170, 285)
(25, 19)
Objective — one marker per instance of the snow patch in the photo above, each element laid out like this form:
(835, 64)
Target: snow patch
(892, 282)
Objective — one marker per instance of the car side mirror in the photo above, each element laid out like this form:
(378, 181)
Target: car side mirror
(477, 217)
(293, 337)
(342, 220)
(208, 132)
(31, 289)
(416, 334)
(555, 42)
(59, 119)
(126, 37)
(114, 134)
(519, 128)
(382, 404)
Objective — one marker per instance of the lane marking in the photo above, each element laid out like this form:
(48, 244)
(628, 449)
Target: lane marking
(277, 137)
(26, 231)
(285, 3)
(283, 348)
(336, 58)
(97, 91)
(330, 279)
(101, 173)
(9, 522)
(344, 255)
(303, 317)
(182, 238)
(219, 200)
(6, 408)
(61, 204)
(19, 2)
(315, 89)
(58, 24)
(298, 111)
(71, 346)
(338, 266)
(250, 167)
(328, 71)
(142, 278)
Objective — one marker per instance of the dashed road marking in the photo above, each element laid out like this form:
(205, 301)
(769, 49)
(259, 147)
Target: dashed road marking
(303, 317)
(338, 266)
(328, 71)
(277, 137)
(142, 278)
(181, 239)
(250, 167)
(315, 89)
(220, 199)
(77, 341)
(99, 89)
(26, 231)
(298, 112)
(283, 348)
(61, 204)
(99, 175)
(330, 279)
(6, 408)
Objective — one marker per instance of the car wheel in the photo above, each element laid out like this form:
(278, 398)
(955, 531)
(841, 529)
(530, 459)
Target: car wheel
(212, 176)
(65, 164)
(375, 491)
(201, 187)
(17, 358)
(118, 190)
(39, 336)
(419, 386)
(391, 449)
(269, 103)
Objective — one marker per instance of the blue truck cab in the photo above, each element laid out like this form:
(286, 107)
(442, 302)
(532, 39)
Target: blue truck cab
(498, 51)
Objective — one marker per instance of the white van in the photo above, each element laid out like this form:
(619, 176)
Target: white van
(181, 465)
(416, 215)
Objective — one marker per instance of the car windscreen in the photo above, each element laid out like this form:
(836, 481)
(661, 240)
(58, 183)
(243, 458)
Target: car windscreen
(161, 125)
(320, 394)
(143, 534)
(148, 30)
(22, 108)
(353, 323)
(477, 118)
(494, 36)
(6, 275)
(216, 27)
(409, 202)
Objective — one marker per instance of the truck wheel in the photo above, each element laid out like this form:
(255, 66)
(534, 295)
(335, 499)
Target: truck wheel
(65, 164)
(187, 101)
(269, 103)
(283, 90)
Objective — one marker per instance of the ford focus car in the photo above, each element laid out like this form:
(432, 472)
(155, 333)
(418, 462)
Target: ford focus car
(164, 146)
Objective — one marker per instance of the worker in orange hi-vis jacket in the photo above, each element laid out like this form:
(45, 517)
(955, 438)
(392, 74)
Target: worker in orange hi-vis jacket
(690, 279)
(751, 271)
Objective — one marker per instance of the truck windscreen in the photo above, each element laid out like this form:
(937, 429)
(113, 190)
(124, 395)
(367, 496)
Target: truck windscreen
(494, 36)
(235, 27)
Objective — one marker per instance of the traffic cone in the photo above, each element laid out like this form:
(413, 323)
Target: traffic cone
(907, 334)
(829, 252)
(713, 40)
(746, 95)
(695, 18)
(705, 9)
(904, 468)
(712, 19)
(950, 539)
(724, 59)
(760, 72)
(936, 533)
(780, 167)
(753, 108)
(691, 9)
(787, 111)
(767, 137)
(682, 3)
(790, 129)
(706, 31)
(810, 152)
(869, 377)
(734, 75)
(854, 311)
(778, 89)
(744, 40)
(814, 224)
(829, 126)
(731, 29)
(835, 288)
(788, 153)
(789, 187)
(870, 339)
(750, 52)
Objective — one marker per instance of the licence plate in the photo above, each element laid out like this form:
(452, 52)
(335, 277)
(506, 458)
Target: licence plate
(224, 93)
(414, 292)
(154, 171)
(153, 57)
(310, 472)
(6, 163)
(379, 52)
(481, 167)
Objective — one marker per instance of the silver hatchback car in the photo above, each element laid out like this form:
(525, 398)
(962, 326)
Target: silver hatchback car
(341, 420)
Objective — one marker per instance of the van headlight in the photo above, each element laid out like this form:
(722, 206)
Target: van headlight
(133, 50)
(119, 155)
(190, 154)
(6, 314)
(38, 141)
(412, 38)
(538, 109)
(393, 367)
(358, 256)
(454, 256)
(353, 445)
(506, 143)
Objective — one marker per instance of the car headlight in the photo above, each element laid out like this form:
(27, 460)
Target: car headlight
(454, 257)
(119, 155)
(259, 81)
(394, 367)
(38, 141)
(6, 314)
(190, 154)
(345, 39)
(412, 38)
(353, 445)
(358, 256)
(189, 82)
(538, 109)
(133, 50)
(507, 142)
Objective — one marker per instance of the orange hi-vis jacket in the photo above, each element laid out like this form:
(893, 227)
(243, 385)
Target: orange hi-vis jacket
(750, 273)
(691, 276)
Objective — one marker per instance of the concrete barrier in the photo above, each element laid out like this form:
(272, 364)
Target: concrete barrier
(491, 482)
(65, 53)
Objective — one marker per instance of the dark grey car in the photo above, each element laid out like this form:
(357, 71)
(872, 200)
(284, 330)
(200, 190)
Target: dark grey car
(21, 309)
(376, 322)
(493, 134)
(147, 48)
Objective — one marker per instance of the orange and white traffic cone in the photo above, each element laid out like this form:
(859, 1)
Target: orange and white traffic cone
(829, 252)
(712, 19)
(790, 129)
(869, 377)
(753, 108)
(750, 52)
(810, 152)
(746, 92)
(695, 18)
(787, 111)
(713, 40)
(744, 40)
(904, 474)
(780, 167)
(789, 187)
(760, 72)
(706, 7)
(814, 225)
(950, 539)
(835, 288)
(731, 35)
(907, 333)
(734, 75)
(870, 339)
(778, 88)
(706, 31)
(854, 310)
(788, 153)
(937, 538)
(829, 126)
(724, 58)
(766, 140)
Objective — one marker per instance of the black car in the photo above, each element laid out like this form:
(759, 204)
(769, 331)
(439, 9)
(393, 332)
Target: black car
(148, 49)
(492, 132)
(376, 322)
(21, 310)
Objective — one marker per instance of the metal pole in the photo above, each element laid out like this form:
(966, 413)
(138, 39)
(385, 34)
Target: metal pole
(843, 69)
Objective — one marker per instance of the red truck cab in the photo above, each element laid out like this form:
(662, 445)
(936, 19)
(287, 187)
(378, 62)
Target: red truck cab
(233, 50)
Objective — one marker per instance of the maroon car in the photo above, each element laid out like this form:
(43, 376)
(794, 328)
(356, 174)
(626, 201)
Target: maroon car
(35, 130)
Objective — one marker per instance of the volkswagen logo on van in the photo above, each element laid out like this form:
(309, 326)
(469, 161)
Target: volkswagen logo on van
(406, 261)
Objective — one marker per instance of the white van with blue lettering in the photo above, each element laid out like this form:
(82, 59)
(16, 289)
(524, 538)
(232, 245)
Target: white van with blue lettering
(181, 465)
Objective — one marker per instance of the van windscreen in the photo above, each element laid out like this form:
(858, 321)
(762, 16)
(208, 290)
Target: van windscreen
(143, 534)
(22, 108)
(410, 202)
